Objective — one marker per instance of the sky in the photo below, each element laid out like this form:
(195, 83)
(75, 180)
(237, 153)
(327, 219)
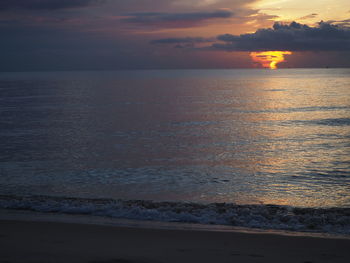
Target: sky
(172, 34)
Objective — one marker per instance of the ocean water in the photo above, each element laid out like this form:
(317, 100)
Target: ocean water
(256, 148)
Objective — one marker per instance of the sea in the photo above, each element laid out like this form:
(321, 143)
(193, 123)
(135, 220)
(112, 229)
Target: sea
(253, 148)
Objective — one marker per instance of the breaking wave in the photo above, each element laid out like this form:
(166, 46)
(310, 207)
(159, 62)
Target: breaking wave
(326, 220)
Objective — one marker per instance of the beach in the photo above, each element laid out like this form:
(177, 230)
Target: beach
(30, 241)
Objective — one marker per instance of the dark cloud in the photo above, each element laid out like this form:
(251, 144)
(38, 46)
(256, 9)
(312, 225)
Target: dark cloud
(159, 17)
(45, 4)
(182, 40)
(292, 37)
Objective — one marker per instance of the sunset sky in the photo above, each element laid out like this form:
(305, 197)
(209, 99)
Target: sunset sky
(153, 34)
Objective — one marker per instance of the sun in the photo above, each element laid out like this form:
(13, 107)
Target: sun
(269, 59)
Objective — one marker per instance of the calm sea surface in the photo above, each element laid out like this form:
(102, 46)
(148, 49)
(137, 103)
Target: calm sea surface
(239, 136)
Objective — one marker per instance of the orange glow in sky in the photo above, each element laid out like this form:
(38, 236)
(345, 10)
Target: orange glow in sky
(269, 59)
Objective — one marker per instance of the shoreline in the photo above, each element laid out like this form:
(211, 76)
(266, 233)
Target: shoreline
(84, 219)
(25, 240)
(333, 220)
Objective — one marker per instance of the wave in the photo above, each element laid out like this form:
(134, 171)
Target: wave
(322, 122)
(326, 220)
(333, 122)
(300, 109)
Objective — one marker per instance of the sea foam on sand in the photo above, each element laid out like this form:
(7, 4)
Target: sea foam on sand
(324, 220)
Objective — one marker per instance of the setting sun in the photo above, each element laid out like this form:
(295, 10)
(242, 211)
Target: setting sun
(269, 59)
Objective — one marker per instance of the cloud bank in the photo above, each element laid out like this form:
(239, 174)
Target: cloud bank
(145, 18)
(292, 37)
(45, 4)
(182, 40)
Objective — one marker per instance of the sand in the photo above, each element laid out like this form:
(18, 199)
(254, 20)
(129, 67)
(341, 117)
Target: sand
(39, 242)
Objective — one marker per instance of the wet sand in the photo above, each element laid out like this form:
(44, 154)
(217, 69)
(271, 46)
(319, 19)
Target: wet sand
(39, 242)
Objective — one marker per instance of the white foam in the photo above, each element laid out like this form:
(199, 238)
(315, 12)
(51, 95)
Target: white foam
(326, 220)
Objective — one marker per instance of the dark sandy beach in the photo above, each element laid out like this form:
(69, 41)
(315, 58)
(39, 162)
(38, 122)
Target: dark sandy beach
(39, 242)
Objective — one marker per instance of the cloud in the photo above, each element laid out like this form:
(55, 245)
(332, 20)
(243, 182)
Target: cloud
(310, 16)
(150, 18)
(343, 23)
(45, 4)
(292, 37)
(182, 40)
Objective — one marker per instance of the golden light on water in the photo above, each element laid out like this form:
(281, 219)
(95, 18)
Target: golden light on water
(269, 59)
